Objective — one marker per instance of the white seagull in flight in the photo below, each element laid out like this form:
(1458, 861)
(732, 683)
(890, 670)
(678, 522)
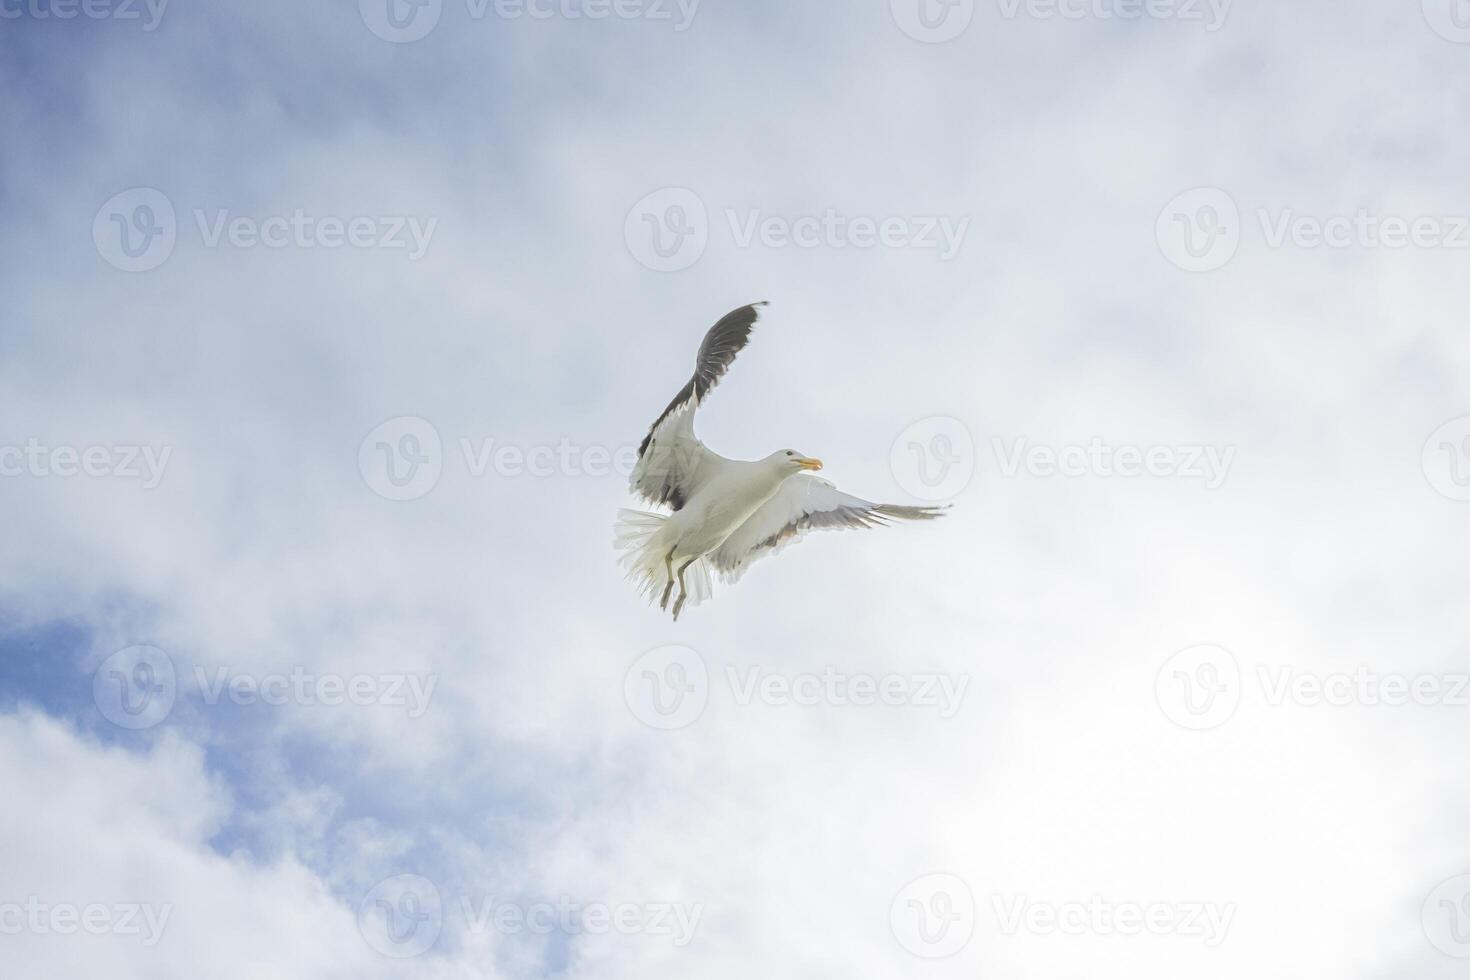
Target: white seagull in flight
(726, 512)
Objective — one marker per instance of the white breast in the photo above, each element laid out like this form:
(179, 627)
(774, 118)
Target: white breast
(723, 504)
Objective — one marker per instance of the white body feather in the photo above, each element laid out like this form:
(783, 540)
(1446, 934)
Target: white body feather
(655, 543)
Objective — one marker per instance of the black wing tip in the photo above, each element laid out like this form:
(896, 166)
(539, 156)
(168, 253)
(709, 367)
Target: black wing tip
(749, 314)
(754, 309)
(707, 374)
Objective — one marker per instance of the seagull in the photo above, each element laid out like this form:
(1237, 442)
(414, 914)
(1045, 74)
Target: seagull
(726, 513)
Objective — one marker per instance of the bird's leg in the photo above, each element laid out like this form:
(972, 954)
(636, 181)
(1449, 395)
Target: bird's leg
(669, 566)
(683, 592)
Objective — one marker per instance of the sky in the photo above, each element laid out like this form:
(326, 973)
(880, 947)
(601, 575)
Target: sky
(328, 330)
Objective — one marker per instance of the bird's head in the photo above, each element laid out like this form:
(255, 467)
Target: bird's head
(790, 462)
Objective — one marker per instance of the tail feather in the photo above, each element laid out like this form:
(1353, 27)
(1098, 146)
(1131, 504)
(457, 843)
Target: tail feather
(642, 555)
(635, 536)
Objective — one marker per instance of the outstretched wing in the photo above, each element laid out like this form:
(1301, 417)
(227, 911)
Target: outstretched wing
(805, 503)
(672, 462)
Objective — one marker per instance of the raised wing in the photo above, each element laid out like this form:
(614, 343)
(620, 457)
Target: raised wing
(672, 462)
(805, 503)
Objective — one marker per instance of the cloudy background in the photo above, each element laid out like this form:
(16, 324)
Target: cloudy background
(1130, 191)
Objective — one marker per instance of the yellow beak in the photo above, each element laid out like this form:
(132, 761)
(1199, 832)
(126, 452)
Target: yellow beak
(809, 464)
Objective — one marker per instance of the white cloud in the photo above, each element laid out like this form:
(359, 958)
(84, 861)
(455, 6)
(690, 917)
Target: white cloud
(528, 321)
(87, 826)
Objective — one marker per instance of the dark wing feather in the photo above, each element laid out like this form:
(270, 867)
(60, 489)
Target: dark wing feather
(672, 461)
(724, 340)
